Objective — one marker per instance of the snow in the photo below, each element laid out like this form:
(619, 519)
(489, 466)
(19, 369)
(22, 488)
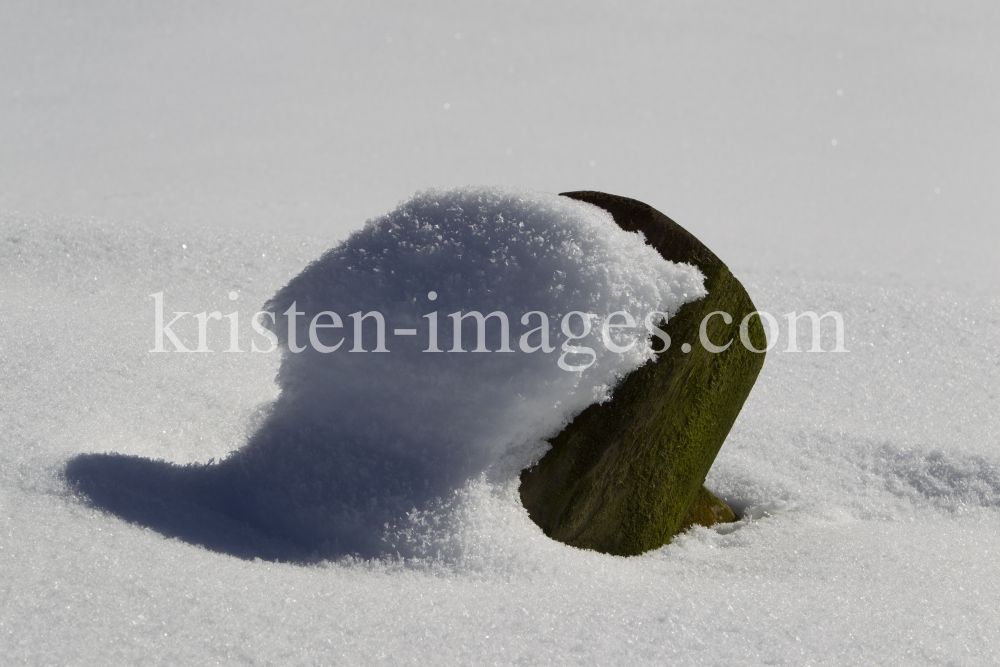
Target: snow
(868, 531)
(868, 480)
(371, 451)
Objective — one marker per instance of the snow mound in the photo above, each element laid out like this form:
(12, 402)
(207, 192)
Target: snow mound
(396, 413)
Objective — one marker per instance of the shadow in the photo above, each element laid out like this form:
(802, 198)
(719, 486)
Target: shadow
(293, 493)
(192, 503)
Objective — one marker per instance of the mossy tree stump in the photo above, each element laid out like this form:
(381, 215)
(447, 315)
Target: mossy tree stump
(625, 476)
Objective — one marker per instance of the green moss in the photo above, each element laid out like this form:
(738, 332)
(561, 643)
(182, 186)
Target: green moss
(623, 475)
(707, 510)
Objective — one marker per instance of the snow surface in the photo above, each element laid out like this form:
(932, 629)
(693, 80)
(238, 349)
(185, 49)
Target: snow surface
(869, 483)
(867, 480)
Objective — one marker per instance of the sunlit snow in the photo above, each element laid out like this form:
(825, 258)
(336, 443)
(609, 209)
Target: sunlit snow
(202, 149)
